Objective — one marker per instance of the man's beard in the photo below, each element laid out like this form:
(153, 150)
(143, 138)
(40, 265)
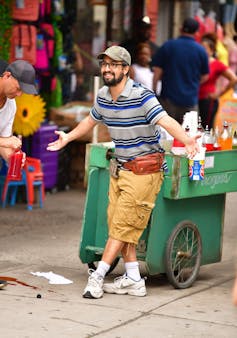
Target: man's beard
(113, 82)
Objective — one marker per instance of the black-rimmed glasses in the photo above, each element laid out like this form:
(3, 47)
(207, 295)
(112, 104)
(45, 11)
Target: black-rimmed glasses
(111, 65)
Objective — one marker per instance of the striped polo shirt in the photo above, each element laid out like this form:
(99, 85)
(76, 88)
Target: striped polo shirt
(131, 120)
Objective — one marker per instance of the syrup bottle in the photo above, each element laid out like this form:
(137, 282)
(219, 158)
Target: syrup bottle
(187, 130)
(216, 144)
(234, 140)
(200, 131)
(225, 139)
(208, 139)
(200, 128)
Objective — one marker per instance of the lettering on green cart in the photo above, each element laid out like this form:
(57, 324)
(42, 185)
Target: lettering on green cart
(216, 179)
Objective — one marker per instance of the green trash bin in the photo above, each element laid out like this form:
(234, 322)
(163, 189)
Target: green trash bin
(185, 229)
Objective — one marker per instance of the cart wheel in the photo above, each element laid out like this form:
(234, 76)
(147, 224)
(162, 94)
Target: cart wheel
(93, 265)
(183, 255)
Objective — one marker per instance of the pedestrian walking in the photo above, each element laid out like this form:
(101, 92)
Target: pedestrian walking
(181, 64)
(16, 78)
(235, 292)
(140, 70)
(131, 113)
(141, 34)
(209, 92)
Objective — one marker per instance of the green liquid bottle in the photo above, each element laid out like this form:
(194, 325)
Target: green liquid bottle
(234, 140)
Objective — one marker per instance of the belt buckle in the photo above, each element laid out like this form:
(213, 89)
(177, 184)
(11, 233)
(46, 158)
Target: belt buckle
(114, 168)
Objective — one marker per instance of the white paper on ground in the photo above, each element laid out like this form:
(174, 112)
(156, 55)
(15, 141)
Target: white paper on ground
(52, 277)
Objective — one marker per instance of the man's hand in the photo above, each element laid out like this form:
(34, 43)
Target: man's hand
(59, 143)
(80, 130)
(176, 130)
(192, 147)
(12, 142)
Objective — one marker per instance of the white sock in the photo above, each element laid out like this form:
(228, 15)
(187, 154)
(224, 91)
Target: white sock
(102, 269)
(132, 270)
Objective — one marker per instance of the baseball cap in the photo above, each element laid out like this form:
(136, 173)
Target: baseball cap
(190, 26)
(24, 72)
(116, 53)
(145, 22)
(3, 66)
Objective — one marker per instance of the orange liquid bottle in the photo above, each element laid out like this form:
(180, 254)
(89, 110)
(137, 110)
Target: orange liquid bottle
(225, 139)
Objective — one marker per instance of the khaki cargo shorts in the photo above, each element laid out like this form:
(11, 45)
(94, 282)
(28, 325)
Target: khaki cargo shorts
(131, 200)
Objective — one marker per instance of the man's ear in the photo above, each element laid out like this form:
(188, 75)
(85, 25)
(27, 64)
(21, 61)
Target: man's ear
(127, 70)
(7, 74)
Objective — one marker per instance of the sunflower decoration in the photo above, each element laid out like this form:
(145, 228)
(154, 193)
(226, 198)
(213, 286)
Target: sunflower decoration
(29, 114)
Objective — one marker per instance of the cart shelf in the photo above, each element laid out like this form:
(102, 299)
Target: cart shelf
(220, 176)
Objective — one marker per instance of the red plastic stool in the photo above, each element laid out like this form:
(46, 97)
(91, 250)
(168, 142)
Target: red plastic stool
(9, 185)
(34, 177)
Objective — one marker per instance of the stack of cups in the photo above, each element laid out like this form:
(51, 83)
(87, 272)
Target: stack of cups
(178, 148)
(196, 165)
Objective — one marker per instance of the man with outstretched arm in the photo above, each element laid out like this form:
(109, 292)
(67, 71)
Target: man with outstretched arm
(131, 113)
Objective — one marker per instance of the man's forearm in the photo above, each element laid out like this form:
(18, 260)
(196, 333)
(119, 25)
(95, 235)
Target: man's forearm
(174, 129)
(81, 129)
(6, 153)
(4, 142)
(10, 142)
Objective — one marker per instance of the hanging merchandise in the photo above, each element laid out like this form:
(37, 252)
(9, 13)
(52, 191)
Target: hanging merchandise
(23, 43)
(58, 8)
(29, 115)
(45, 39)
(45, 10)
(5, 28)
(56, 93)
(210, 22)
(25, 10)
(200, 18)
(44, 47)
(58, 50)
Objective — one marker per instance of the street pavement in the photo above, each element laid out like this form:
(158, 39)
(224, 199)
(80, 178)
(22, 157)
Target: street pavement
(44, 240)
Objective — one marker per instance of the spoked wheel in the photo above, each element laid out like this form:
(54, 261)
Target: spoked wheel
(183, 255)
(93, 265)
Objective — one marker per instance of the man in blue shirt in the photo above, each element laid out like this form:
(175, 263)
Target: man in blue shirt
(181, 64)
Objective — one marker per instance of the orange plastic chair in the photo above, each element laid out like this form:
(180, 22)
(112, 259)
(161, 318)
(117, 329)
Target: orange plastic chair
(34, 177)
(8, 185)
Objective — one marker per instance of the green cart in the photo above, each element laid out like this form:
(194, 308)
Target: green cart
(185, 229)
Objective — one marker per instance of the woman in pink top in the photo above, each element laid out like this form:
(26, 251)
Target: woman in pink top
(208, 93)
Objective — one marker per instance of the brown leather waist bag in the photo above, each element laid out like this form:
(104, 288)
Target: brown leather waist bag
(147, 164)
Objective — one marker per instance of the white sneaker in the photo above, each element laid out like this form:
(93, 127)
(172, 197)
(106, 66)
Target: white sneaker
(3, 284)
(124, 285)
(94, 288)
